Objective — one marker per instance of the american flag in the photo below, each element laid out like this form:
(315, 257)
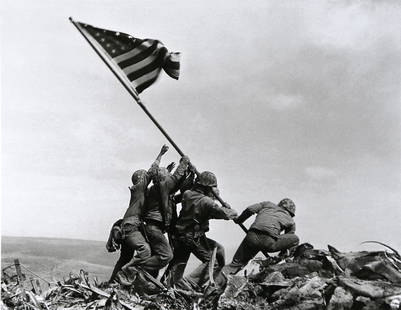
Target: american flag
(140, 60)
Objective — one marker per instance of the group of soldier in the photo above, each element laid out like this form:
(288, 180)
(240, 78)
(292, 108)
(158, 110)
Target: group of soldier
(152, 213)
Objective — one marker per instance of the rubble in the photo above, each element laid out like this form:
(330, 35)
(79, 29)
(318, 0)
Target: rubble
(312, 279)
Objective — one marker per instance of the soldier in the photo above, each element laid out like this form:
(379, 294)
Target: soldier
(157, 216)
(264, 233)
(132, 239)
(192, 224)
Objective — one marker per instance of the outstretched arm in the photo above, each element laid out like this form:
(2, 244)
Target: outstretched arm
(155, 166)
(181, 168)
(217, 212)
(173, 181)
(248, 212)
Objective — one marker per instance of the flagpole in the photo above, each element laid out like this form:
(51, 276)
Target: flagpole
(135, 95)
(127, 86)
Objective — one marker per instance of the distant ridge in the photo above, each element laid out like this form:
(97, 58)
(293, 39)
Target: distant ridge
(54, 258)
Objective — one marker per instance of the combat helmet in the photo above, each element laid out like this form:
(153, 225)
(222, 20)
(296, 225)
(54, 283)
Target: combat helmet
(287, 204)
(138, 175)
(207, 178)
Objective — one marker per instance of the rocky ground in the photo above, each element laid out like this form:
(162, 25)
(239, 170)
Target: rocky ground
(310, 279)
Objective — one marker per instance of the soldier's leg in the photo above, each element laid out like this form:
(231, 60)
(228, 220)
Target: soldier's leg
(203, 250)
(196, 279)
(125, 256)
(137, 241)
(284, 242)
(200, 247)
(247, 250)
(161, 250)
(176, 267)
(220, 254)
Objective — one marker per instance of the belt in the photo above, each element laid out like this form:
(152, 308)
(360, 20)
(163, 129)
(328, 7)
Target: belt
(154, 223)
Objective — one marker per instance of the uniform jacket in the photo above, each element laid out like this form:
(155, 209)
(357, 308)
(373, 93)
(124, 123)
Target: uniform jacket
(138, 192)
(197, 210)
(270, 218)
(159, 205)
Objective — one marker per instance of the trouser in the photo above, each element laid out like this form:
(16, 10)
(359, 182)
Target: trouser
(133, 241)
(202, 247)
(161, 253)
(254, 242)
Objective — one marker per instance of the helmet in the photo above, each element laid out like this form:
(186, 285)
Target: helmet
(139, 174)
(162, 173)
(207, 178)
(287, 204)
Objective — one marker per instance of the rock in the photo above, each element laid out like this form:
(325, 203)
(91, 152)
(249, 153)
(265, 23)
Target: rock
(288, 269)
(304, 283)
(371, 289)
(273, 282)
(234, 286)
(369, 265)
(313, 288)
(394, 302)
(360, 302)
(341, 300)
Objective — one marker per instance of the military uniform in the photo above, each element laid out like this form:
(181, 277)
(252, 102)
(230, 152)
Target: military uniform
(264, 233)
(192, 224)
(132, 239)
(157, 215)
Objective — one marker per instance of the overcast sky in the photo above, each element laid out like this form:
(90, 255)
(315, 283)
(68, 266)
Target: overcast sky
(297, 99)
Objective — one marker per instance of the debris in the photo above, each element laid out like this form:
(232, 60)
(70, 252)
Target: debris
(371, 289)
(394, 302)
(341, 300)
(369, 265)
(312, 279)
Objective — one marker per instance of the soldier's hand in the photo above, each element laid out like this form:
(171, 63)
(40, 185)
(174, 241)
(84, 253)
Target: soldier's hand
(236, 220)
(171, 166)
(164, 149)
(226, 205)
(185, 159)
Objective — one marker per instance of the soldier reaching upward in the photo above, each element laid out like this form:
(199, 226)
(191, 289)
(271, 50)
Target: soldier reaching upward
(131, 235)
(157, 215)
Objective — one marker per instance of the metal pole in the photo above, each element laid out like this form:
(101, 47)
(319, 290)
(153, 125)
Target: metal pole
(127, 85)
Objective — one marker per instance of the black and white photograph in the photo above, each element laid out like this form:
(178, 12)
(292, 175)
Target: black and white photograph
(200, 155)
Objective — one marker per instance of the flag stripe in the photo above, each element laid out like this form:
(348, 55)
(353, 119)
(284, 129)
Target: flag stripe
(145, 85)
(139, 65)
(173, 65)
(144, 45)
(147, 77)
(137, 74)
(138, 57)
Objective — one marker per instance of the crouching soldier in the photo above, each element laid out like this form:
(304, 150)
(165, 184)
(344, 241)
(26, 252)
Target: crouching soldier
(264, 233)
(129, 228)
(157, 215)
(192, 224)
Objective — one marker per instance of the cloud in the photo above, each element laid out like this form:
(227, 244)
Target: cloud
(319, 172)
(283, 102)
